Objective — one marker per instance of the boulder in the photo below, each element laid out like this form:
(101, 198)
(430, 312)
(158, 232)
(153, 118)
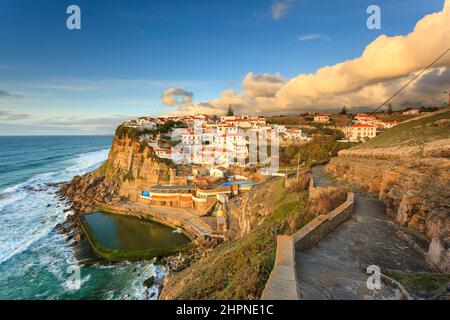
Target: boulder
(149, 282)
(438, 255)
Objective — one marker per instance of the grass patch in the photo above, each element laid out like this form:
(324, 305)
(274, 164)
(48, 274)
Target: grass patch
(240, 269)
(320, 149)
(425, 282)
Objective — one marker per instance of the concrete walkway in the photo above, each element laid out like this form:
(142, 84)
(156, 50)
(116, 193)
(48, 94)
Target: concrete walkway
(335, 268)
(185, 217)
(179, 217)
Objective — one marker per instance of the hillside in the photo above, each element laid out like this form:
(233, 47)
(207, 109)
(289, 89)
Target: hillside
(414, 132)
(239, 269)
(408, 167)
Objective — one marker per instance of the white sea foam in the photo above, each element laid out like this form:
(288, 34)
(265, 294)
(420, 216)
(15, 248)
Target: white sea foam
(28, 215)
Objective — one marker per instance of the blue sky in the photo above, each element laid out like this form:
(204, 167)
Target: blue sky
(57, 81)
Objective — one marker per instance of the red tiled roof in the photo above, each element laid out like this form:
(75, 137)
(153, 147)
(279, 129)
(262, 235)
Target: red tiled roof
(361, 125)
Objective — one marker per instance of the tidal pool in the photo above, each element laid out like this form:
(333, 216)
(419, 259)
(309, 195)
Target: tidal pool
(117, 236)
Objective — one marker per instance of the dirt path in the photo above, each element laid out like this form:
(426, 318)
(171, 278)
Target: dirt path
(335, 268)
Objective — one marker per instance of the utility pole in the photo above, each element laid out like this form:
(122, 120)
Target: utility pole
(298, 167)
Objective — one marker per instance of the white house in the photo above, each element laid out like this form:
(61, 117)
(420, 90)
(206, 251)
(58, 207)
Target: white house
(218, 172)
(359, 132)
(411, 112)
(322, 118)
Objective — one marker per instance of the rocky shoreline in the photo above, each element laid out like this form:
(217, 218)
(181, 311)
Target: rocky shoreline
(81, 203)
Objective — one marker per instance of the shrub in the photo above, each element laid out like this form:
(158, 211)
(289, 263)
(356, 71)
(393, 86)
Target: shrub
(142, 146)
(299, 185)
(325, 200)
(128, 176)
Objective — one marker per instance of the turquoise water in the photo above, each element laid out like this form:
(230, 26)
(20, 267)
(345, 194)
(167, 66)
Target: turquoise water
(34, 258)
(128, 233)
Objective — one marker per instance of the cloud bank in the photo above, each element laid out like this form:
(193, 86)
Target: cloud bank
(6, 94)
(176, 96)
(12, 116)
(365, 82)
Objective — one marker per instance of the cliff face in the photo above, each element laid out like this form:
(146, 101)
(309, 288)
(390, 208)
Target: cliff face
(416, 192)
(411, 175)
(129, 169)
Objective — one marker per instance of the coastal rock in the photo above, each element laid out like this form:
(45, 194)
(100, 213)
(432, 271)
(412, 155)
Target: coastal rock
(439, 255)
(129, 169)
(149, 282)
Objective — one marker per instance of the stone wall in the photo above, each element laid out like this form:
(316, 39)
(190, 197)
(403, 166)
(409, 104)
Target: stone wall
(308, 236)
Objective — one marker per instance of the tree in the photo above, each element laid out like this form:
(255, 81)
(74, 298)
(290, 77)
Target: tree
(343, 111)
(230, 111)
(389, 110)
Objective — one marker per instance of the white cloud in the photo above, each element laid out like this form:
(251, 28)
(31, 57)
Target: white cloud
(313, 36)
(280, 7)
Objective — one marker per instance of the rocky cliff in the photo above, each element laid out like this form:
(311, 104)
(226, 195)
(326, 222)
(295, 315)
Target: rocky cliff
(130, 168)
(408, 167)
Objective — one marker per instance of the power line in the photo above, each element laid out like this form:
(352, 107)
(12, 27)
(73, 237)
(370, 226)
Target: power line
(411, 81)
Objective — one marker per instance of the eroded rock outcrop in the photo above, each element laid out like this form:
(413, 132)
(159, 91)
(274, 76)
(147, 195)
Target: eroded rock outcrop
(130, 168)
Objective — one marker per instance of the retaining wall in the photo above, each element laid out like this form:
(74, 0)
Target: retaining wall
(282, 282)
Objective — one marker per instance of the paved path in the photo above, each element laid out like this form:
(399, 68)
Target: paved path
(184, 217)
(335, 268)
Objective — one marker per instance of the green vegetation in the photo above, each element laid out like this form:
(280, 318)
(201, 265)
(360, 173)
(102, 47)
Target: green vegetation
(341, 120)
(320, 130)
(239, 269)
(142, 146)
(230, 111)
(129, 255)
(165, 177)
(343, 111)
(318, 150)
(135, 133)
(425, 282)
(103, 169)
(169, 125)
(414, 132)
(288, 120)
(128, 176)
(123, 131)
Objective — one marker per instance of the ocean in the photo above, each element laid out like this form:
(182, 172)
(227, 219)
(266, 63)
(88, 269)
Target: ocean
(36, 261)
